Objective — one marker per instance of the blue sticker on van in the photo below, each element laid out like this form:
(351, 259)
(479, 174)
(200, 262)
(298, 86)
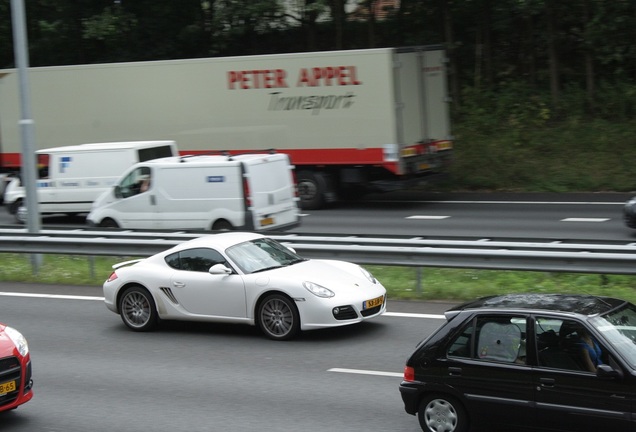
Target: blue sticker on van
(216, 179)
(65, 162)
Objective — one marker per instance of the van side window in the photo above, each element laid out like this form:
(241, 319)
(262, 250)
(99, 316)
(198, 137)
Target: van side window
(43, 165)
(154, 153)
(138, 181)
(198, 259)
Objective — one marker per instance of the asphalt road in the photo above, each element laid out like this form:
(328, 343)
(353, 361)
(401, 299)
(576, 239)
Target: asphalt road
(531, 216)
(92, 374)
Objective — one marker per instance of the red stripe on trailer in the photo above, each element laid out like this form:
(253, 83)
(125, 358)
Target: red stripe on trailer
(328, 156)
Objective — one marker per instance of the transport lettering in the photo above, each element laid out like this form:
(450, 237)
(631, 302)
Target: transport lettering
(278, 102)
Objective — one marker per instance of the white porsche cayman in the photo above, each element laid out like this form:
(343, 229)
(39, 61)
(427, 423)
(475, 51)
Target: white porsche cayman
(242, 278)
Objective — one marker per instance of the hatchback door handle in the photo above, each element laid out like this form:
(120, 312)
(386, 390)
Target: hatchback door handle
(454, 371)
(547, 382)
(178, 284)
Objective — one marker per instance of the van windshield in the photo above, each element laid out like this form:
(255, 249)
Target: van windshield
(262, 254)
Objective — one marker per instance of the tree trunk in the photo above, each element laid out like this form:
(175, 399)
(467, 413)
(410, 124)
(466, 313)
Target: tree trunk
(553, 58)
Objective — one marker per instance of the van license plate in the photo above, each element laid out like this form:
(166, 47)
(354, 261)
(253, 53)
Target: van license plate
(373, 303)
(267, 221)
(7, 387)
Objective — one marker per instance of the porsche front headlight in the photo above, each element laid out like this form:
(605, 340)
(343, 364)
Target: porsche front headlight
(318, 290)
(18, 340)
(368, 275)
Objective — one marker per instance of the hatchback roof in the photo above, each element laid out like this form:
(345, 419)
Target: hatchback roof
(570, 303)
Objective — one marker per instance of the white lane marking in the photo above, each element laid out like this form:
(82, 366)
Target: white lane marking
(53, 296)
(366, 372)
(510, 202)
(427, 217)
(585, 220)
(413, 315)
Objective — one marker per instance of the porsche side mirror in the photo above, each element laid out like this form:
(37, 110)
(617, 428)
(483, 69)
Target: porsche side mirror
(219, 269)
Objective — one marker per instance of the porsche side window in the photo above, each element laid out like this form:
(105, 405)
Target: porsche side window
(199, 260)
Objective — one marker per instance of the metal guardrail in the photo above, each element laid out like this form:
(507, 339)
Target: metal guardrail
(540, 255)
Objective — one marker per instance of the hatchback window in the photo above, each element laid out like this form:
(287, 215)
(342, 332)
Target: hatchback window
(497, 339)
(567, 344)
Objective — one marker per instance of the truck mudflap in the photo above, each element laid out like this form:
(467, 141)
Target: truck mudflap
(425, 158)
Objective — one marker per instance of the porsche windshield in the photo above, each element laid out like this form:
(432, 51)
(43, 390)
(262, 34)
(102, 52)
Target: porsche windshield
(261, 254)
(619, 329)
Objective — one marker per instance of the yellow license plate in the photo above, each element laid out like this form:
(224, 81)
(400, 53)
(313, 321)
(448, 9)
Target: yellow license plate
(373, 302)
(7, 387)
(444, 145)
(267, 221)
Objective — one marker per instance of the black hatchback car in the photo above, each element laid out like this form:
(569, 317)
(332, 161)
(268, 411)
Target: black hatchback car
(527, 362)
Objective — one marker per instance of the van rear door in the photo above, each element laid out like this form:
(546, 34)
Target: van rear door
(271, 192)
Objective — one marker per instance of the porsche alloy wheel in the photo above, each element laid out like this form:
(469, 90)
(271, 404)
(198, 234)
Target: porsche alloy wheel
(137, 309)
(278, 317)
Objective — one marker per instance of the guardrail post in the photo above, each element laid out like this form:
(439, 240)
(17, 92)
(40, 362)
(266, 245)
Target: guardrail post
(91, 266)
(418, 281)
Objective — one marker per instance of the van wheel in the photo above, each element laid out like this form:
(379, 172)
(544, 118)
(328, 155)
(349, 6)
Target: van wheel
(311, 190)
(108, 223)
(14, 206)
(222, 225)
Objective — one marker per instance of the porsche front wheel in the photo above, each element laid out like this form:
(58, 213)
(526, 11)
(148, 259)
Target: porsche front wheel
(278, 317)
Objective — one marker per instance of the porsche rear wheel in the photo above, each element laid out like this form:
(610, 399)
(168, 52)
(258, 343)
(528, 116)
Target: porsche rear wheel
(278, 317)
(137, 309)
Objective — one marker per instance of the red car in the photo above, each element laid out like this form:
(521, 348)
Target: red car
(15, 369)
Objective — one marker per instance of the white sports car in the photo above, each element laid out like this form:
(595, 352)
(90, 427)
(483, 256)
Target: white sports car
(242, 278)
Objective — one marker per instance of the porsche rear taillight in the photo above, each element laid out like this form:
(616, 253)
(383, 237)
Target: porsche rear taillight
(112, 277)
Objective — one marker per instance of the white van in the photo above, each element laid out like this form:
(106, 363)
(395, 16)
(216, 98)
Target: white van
(70, 178)
(251, 192)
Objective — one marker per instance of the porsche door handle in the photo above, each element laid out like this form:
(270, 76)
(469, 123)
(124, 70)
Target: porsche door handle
(178, 284)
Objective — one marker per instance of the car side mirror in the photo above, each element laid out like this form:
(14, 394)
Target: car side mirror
(117, 191)
(607, 372)
(220, 269)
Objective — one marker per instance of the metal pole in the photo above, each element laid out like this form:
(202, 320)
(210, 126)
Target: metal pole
(20, 48)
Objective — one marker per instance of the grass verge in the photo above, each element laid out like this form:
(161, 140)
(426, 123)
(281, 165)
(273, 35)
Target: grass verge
(402, 283)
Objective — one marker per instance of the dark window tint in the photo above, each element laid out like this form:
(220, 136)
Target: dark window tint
(155, 153)
(567, 344)
(499, 339)
(200, 259)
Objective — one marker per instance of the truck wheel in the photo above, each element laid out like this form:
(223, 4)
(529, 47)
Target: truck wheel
(311, 190)
(108, 223)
